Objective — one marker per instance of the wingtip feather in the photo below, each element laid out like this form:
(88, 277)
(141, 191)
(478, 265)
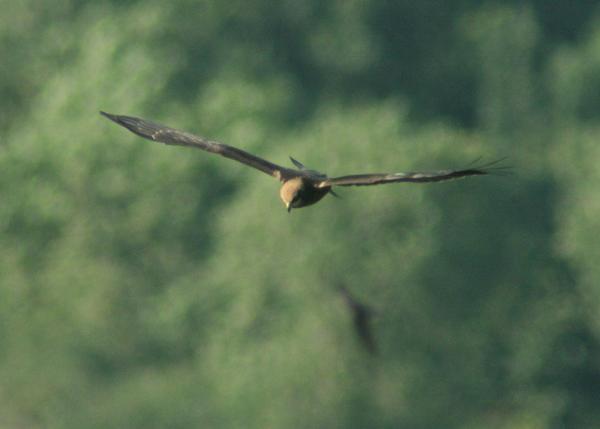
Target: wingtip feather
(115, 118)
(108, 115)
(496, 168)
(137, 126)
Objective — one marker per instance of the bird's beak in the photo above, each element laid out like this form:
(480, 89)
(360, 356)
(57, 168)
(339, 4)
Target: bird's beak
(289, 207)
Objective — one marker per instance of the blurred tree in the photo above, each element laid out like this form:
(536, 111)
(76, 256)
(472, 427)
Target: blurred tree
(148, 286)
(575, 84)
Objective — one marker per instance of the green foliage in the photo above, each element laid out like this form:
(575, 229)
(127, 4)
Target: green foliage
(149, 286)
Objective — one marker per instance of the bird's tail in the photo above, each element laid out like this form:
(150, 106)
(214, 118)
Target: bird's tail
(333, 193)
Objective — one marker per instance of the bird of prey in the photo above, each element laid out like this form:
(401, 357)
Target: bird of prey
(301, 187)
(361, 317)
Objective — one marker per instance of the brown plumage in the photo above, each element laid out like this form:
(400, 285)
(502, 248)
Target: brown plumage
(301, 187)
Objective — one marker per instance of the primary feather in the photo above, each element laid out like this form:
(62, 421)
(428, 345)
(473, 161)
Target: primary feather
(172, 136)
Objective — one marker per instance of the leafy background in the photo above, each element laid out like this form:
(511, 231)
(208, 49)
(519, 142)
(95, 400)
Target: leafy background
(147, 286)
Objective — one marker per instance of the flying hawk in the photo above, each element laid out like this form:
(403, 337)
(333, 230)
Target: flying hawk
(301, 187)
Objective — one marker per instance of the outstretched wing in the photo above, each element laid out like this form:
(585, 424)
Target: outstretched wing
(413, 177)
(171, 136)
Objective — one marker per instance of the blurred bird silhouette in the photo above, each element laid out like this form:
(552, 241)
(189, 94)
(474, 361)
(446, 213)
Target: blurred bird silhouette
(301, 187)
(361, 317)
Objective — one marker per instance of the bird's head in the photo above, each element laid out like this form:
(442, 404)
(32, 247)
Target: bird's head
(290, 193)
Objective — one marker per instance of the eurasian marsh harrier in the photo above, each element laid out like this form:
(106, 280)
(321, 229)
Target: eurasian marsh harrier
(301, 187)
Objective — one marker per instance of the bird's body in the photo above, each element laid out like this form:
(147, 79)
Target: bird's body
(301, 192)
(301, 187)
